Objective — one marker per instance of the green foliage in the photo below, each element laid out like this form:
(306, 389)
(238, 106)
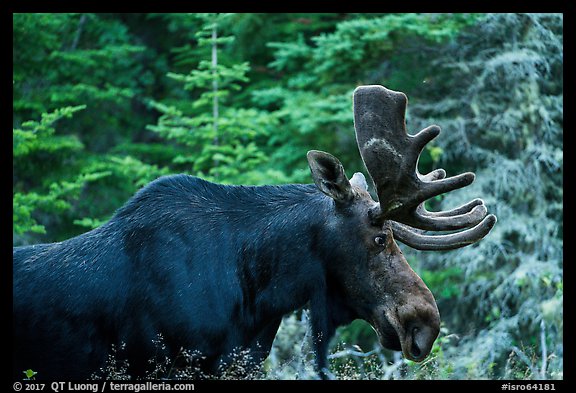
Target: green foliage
(65, 59)
(54, 201)
(503, 99)
(223, 142)
(313, 100)
(30, 374)
(34, 138)
(39, 136)
(63, 63)
(447, 281)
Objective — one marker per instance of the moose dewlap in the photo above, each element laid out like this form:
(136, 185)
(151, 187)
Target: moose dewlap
(213, 268)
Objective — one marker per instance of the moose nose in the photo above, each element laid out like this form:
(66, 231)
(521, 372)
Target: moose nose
(420, 342)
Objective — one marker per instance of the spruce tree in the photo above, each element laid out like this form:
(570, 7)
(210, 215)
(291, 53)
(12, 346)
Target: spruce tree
(223, 142)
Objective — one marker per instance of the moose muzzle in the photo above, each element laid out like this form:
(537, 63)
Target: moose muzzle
(411, 327)
(407, 317)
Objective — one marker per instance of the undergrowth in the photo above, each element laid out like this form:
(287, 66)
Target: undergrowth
(292, 358)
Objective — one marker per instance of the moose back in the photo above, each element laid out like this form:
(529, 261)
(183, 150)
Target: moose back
(214, 268)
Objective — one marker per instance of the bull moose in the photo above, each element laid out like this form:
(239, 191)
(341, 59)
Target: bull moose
(213, 268)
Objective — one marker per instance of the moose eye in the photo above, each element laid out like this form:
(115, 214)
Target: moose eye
(380, 240)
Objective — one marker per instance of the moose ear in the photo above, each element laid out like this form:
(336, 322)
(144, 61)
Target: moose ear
(329, 177)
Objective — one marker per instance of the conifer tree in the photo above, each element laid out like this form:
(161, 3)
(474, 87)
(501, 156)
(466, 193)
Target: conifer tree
(223, 142)
(499, 101)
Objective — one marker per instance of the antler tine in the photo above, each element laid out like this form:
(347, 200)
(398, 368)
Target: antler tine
(419, 241)
(447, 220)
(466, 215)
(391, 157)
(465, 208)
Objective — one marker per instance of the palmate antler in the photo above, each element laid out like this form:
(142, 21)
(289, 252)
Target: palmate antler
(391, 157)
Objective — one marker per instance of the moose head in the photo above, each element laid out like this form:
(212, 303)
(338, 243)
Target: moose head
(372, 275)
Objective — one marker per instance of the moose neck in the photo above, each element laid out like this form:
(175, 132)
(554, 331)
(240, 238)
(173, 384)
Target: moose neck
(280, 263)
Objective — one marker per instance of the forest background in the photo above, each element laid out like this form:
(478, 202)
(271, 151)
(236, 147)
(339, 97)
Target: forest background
(105, 103)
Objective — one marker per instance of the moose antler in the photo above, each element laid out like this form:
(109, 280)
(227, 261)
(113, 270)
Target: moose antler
(391, 157)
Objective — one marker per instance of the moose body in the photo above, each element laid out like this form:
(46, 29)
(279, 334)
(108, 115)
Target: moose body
(209, 267)
(214, 268)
